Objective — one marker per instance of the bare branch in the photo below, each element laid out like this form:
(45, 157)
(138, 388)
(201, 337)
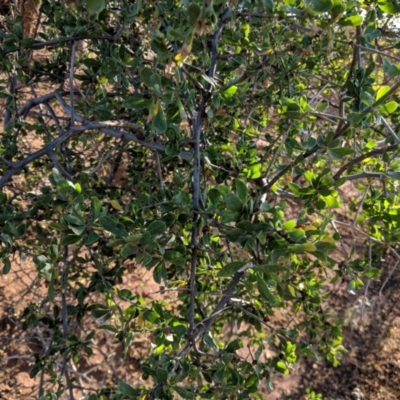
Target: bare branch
(358, 159)
(391, 131)
(71, 81)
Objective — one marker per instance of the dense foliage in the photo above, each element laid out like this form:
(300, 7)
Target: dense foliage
(220, 116)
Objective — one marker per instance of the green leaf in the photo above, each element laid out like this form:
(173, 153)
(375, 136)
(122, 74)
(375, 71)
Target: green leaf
(320, 6)
(233, 202)
(355, 117)
(183, 392)
(126, 390)
(231, 268)
(278, 253)
(70, 239)
(246, 29)
(297, 234)
(112, 226)
(209, 341)
(91, 238)
(388, 108)
(230, 92)
(193, 13)
(96, 208)
(382, 91)
(325, 246)
(241, 190)
(126, 294)
(389, 6)
(393, 175)
(340, 152)
(157, 228)
(171, 255)
(162, 374)
(106, 327)
(264, 291)
(390, 69)
(72, 220)
(367, 98)
(234, 345)
(145, 75)
(352, 20)
(214, 196)
(95, 7)
(289, 225)
(159, 122)
(129, 249)
(137, 103)
(332, 201)
(6, 264)
(373, 273)
(150, 315)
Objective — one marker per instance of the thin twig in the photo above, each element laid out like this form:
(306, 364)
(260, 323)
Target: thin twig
(390, 129)
(159, 170)
(368, 282)
(388, 277)
(358, 159)
(71, 82)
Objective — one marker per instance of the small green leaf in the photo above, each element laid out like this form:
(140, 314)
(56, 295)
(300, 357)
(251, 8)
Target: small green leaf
(137, 103)
(231, 268)
(264, 291)
(389, 6)
(233, 202)
(381, 92)
(171, 255)
(96, 208)
(95, 7)
(297, 234)
(209, 341)
(157, 228)
(150, 315)
(112, 226)
(145, 75)
(388, 108)
(367, 98)
(340, 152)
(126, 390)
(70, 239)
(159, 122)
(183, 392)
(78, 188)
(373, 273)
(129, 249)
(390, 69)
(162, 374)
(125, 294)
(6, 264)
(355, 117)
(106, 327)
(241, 190)
(320, 6)
(234, 345)
(289, 225)
(246, 29)
(393, 175)
(193, 13)
(352, 20)
(230, 92)
(91, 238)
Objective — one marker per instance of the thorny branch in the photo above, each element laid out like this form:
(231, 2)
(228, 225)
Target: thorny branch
(104, 127)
